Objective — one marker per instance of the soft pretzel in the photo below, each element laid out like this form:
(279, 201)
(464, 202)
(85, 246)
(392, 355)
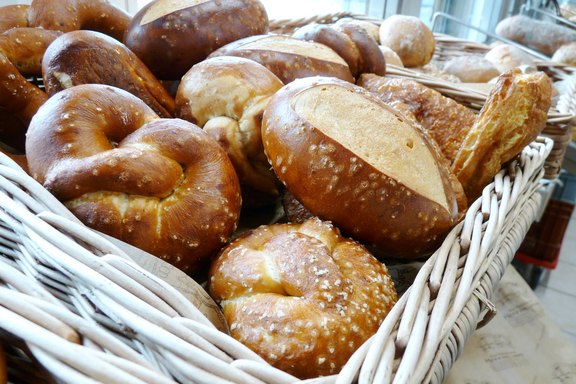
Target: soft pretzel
(227, 96)
(71, 15)
(301, 295)
(84, 57)
(513, 115)
(445, 120)
(13, 16)
(163, 185)
(25, 48)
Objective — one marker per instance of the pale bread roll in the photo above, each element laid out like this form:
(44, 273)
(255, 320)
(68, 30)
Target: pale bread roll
(506, 56)
(471, 69)
(566, 54)
(410, 38)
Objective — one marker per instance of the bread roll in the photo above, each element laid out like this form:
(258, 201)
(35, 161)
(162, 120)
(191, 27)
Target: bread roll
(371, 57)
(513, 115)
(301, 295)
(226, 96)
(13, 16)
(566, 54)
(162, 185)
(170, 36)
(371, 28)
(471, 69)
(88, 57)
(542, 36)
(391, 57)
(362, 166)
(289, 58)
(506, 57)
(72, 15)
(409, 37)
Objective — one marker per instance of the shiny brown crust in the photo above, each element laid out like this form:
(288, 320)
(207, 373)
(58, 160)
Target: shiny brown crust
(371, 57)
(371, 28)
(445, 120)
(13, 16)
(301, 296)
(186, 32)
(514, 114)
(71, 15)
(340, 42)
(279, 54)
(25, 48)
(294, 211)
(19, 101)
(163, 185)
(226, 96)
(89, 57)
(338, 184)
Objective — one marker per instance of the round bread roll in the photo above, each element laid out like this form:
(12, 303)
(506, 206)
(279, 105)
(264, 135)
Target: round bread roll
(172, 35)
(471, 69)
(13, 16)
(71, 15)
(289, 58)
(301, 295)
(566, 54)
(226, 96)
(391, 57)
(162, 185)
(506, 57)
(409, 37)
(88, 57)
(363, 167)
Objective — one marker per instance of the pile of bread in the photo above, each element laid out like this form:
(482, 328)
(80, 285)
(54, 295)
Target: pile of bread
(167, 128)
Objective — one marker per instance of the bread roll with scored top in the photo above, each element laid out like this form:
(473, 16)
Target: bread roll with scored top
(364, 167)
(226, 96)
(289, 58)
(72, 15)
(301, 295)
(89, 57)
(163, 185)
(187, 31)
(513, 115)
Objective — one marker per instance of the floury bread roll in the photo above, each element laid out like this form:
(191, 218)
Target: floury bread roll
(351, 159)
(301, 295)
(170, 36)
(289, 58)
(410, 38)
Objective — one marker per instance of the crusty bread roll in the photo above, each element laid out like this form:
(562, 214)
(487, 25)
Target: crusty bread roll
(289, 58)
(364, 167)
(163, 185)
(513, 115)
(390, 56)
(89, 57)
(409, 37)
(371, 28)
(371, 57)
(445, 120)
(506, 57)
(226, 96)
(301, 295)
(566, 54)
(539, 35)
(471, 69)
(72, 15)
(13, 16)
(172, 35)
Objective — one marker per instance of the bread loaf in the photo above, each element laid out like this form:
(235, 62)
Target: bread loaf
(539, 35)
(289, 58)
(409, 37)
(301, 296)
(363, 167)
(170, 36)
(88, 57)
(162, 185)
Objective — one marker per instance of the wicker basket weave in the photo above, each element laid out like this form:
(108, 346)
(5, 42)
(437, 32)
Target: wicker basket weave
(79, 309)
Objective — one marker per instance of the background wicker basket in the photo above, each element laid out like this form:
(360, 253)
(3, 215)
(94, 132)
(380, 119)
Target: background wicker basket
(82, 310)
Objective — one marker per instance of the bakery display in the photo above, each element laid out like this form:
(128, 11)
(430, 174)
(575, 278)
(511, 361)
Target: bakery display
(71, 15)
(409, 37)
(88, 57)
(365, 167)
(301, 295)
(289, 58)
(513, 115)
(186, 32)
(163, 185)
(226, 96)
